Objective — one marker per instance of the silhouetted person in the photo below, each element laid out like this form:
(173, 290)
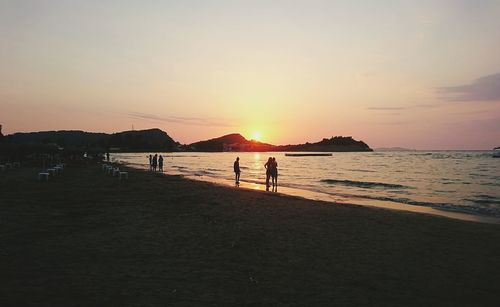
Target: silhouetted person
(160, 164)
(274, 174)
(155, 162)
(107, 156)
(150, 162)
(268, 167)
(237, 170)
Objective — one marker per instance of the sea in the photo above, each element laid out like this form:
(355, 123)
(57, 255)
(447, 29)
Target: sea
(450, 181)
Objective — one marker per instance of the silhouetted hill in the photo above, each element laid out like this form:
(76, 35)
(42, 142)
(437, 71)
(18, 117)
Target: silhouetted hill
(230, 142)
(158, 140)
(236, 142)
(147, 140)
(333, 144)
(141, 140)
(62, 138)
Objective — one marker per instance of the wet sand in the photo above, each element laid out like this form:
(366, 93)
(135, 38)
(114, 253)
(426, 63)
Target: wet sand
(331, 198)
(86, 239)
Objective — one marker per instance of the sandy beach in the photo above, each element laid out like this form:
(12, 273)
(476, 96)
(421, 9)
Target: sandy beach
(86, 239)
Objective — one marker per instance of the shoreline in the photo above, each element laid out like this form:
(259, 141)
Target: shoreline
(334, 199)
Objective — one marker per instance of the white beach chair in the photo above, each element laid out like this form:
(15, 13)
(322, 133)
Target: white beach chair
(52, 171)
(43, 176)
(123, 175)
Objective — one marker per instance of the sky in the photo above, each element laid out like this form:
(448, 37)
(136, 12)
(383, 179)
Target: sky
(416, 74)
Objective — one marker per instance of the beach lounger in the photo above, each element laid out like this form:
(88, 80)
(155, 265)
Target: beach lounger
(43, 176)
(2, 168)
(51, 171)
(123, 175)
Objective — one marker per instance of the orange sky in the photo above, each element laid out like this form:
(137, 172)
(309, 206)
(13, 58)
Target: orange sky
(417, 74)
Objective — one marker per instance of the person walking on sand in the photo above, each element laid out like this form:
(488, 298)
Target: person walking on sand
(155, 162)
(237, 170)
(160, 164)
(150, 162)
(274, 174)
(268, 167)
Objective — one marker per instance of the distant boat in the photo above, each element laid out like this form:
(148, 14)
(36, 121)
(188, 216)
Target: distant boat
(496, 152)
(308, 154)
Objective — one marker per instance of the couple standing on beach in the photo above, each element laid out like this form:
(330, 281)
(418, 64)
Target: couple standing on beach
(155, 161)
(271, 173)
(271, 167)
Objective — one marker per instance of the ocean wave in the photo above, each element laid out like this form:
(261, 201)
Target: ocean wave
(365, 184)
(484, 199)
(201, 173)
(213, 169)
(362, 170)
(480, 210)
(453, 181)
(261, 182)
(479, 175)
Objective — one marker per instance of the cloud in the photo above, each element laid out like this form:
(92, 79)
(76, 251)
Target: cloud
(386, 108)
(193, 121)
(417, 106)
(483, 89)
(426, 106)
(392, 123)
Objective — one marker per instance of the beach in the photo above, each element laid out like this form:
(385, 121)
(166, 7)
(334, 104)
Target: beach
(86, 239)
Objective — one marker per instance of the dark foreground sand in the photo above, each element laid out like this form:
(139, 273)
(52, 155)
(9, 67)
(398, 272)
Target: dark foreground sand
(84, 239)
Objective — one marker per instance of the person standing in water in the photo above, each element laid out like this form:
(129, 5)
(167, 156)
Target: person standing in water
(155, 162)
(268, 166)
(274, 174)
(160, 164)
(237, 170)
(150, 162)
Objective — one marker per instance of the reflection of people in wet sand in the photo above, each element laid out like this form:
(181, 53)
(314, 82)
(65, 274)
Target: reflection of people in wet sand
(268, 167)
(274, 174)
(237, 170)
(160, 164)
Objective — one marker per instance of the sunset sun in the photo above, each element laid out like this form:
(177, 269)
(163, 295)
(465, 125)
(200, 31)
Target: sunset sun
(257, 136)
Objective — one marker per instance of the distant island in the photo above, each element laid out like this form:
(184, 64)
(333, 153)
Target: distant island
(236, 142)
(158, 140)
